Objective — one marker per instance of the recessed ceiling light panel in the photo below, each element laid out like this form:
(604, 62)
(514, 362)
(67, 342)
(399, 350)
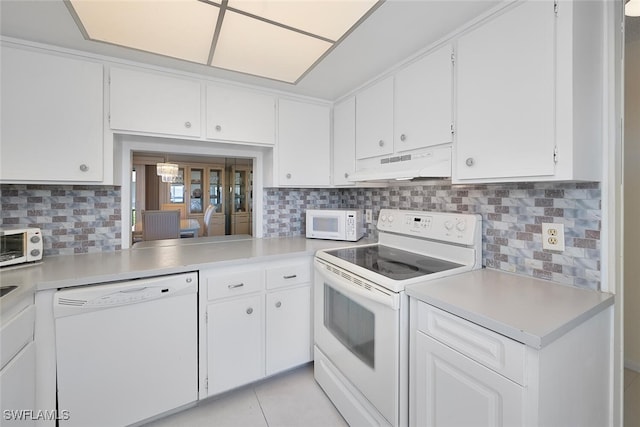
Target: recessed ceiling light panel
(276, 39)
(181, 29)
(326, 18)
(256, 47)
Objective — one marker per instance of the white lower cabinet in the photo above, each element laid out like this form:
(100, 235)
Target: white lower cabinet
(288, 337)
(446, 378)
(462, 374)
(234, 328)
(255, 322)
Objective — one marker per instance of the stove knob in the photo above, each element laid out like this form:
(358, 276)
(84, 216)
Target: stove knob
(383, 217)
(461, 225)
(448, 225)
(390, 218)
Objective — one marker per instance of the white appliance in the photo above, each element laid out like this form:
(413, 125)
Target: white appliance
(19, 245)
(126, 351)
(361, 322)
(335, 224)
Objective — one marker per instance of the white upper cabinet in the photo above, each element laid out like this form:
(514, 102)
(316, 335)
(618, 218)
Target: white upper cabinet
(240, 115)
(529, 94)
(52, 118)
(344, 141)
(423, 109)
(374, 120)
(154, 103)
(304, 144)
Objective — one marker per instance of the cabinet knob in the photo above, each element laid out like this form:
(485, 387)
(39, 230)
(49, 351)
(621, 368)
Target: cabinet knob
(288, 176)
(278, 304)
(403, 137)
(218, 128)
(470, 161)
(84, 167)
(381, 143)
(249, 310)
(346, 175)
(187, 125)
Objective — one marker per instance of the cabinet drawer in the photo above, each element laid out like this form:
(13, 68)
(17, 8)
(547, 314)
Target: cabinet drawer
(228, 284)
(291, 274)
(495, 351)
(16, 333)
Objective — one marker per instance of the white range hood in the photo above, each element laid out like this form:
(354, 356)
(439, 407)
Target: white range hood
(433, 162)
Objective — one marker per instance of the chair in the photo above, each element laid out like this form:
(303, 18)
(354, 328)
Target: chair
(207, 219)
(158, 225)
(175, 206)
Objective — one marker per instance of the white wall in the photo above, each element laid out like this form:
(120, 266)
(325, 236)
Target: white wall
(632, 200)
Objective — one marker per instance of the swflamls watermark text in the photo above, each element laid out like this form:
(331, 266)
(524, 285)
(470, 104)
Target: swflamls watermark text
(36, 415)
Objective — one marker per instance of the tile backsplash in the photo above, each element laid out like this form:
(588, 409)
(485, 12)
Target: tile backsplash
(79, 219)
(74, 219)
(512, 215)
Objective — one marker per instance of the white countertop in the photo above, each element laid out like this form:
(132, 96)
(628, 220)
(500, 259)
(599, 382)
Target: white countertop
(532, 311)
(84, 269)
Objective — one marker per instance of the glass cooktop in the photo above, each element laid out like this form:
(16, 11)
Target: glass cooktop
(393, 263)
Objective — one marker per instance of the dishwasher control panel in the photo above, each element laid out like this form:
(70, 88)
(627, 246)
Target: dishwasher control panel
(81, 299)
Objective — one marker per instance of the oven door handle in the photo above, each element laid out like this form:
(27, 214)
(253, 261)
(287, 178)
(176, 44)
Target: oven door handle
(391, 299)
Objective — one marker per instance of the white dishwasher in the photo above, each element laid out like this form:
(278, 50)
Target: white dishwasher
(126, 351)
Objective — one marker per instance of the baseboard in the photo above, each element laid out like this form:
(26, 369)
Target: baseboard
(630, 364)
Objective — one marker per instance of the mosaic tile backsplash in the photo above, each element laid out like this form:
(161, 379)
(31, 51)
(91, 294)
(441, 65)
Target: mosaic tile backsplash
(512, 215)
(80, 219)
(74, 219)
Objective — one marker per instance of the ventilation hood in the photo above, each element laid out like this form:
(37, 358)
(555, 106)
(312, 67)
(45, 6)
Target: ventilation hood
(433, 162)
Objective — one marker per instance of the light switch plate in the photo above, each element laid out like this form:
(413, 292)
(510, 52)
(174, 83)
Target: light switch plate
(368, 216)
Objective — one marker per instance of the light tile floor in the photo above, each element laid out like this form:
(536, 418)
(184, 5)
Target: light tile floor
(631, 398)
(288, 400)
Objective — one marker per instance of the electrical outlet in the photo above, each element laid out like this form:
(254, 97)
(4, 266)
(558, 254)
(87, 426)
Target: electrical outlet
(368, 216)
(553, 236)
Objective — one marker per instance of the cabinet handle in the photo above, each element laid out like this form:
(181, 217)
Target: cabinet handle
(218, 128)
(381, 143)
(187, 125)
(470, 161)
(249, 310)
(403, 137)
(278, 304)
(237, 285)
(292, 276)
(288, 176)
(84, 168)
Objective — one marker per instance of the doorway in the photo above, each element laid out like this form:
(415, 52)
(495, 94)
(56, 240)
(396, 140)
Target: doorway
(214, 193)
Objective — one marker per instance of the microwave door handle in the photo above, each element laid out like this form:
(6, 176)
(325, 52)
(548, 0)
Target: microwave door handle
(346, 287)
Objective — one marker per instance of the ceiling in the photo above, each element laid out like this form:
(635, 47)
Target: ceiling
(394, 32)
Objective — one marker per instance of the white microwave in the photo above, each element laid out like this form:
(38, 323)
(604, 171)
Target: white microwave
(335, 224)
(20, 245)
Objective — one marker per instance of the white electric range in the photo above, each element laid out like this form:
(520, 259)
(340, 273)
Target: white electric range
(361, 319)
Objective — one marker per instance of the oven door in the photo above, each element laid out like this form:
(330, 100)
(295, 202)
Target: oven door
(357, 327)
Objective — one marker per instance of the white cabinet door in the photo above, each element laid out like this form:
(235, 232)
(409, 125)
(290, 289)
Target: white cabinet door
(344, 141)
(52, 118)
(154, 103)
(288, 332)
(423, 110)
(18, 386)
(374, 120)
(505, 95)
(453, 390)
(235, 343)
(304, 144)
(240, 115)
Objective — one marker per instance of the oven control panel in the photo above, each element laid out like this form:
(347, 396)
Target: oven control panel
(445, 226)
